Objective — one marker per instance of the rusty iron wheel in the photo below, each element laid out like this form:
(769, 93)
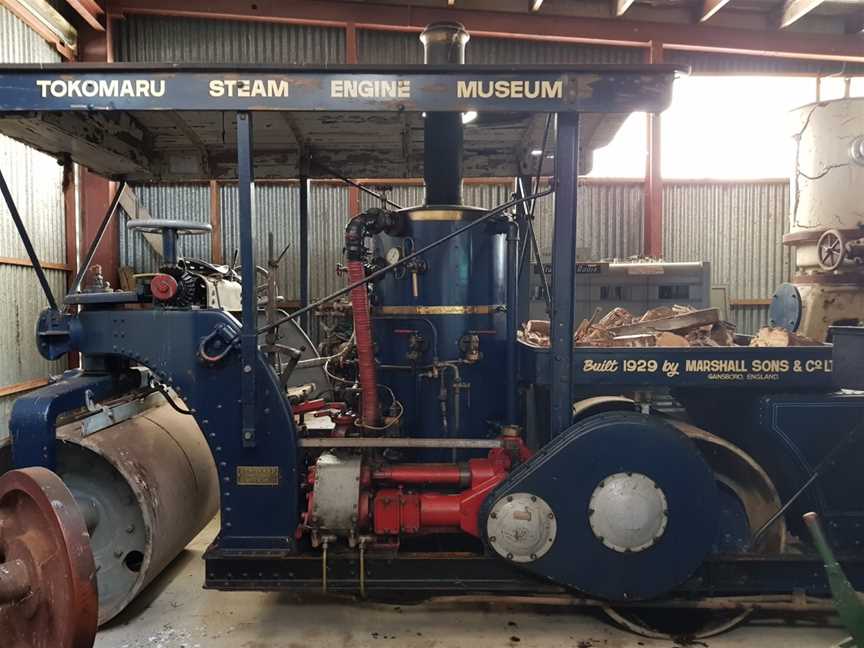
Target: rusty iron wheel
(48, 596)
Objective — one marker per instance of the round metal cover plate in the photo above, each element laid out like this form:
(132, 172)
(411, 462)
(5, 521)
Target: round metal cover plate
(521, 527)
(785, 308)
(628, 512)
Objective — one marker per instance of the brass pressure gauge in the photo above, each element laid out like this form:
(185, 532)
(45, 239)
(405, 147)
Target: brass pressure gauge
(394, 255)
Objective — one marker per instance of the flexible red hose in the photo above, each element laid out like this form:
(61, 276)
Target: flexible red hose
(371, 408)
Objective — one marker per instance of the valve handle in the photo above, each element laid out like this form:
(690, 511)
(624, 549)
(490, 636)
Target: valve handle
(831, 250)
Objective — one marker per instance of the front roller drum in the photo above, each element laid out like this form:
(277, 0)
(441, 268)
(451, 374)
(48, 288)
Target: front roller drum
(48, 596)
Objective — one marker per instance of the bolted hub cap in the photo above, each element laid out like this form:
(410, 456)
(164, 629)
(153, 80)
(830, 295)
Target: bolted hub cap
(163, 286)
(521, 527)
(628, 512)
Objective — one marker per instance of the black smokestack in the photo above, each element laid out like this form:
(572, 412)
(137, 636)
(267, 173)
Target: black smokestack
(443, 44)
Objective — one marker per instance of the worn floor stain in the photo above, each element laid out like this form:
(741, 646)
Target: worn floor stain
(175, 612)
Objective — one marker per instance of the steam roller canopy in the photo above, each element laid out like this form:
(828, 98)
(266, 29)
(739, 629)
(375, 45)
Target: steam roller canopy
(634, 505)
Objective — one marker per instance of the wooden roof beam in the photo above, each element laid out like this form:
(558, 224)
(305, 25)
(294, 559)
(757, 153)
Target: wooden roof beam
(855, 23)
(621, 6)
(794, 10)
(46, 21)
(500, 24)
(90, 11)
(711, 7)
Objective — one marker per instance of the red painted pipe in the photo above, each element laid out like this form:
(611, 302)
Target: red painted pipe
(371, 407)
(474, 472)
(438, 510)
(430, 473)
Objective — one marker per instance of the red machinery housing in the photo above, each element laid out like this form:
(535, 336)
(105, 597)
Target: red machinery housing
(396, 499)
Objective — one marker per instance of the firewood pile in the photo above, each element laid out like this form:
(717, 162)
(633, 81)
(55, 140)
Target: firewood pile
(665, 326)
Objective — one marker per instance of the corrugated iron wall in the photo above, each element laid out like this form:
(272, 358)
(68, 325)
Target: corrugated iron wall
(328, 214)
(387, 47)
(35, 181)
(277, 208)
(476, 195)
(742, 64)
(182, 202)
(189, 40)
(739, 228)
(609, 223)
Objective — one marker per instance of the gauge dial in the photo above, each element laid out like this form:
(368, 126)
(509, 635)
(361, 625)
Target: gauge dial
(394, 255)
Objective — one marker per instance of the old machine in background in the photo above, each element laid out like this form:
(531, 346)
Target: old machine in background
(826, 231)
(399, 464)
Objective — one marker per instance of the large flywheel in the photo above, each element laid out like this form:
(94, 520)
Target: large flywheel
(48, 596)
(634, 505)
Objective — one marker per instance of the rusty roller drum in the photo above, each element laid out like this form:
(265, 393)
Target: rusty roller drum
(48, 593)
(146, 487)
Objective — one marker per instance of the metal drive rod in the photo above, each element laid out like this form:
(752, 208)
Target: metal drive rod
(531, 239)
(564, 272)
(522, 277)
(394, 442)
(94, 245)
(359, 186)
(512, 315)
(248, 227)
(528, 214)
(304, 243)
(28, 244)
(408, 257)
(826, 461)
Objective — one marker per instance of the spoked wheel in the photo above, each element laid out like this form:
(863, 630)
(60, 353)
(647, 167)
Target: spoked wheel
(48, 596)
(831, 250)
(748, 499)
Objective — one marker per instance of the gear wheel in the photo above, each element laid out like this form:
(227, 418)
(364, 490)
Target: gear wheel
(186, 287)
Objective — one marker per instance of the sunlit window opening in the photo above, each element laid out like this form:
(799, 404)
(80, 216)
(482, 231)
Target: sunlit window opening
(712, 120)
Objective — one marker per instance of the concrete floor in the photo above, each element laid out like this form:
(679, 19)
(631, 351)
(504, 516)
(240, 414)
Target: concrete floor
(174, 612)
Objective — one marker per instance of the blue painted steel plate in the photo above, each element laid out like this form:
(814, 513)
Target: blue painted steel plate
(559, 88)
(565, 474)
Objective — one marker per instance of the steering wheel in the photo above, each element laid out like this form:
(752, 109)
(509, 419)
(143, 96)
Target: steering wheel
(157, 225)
(170, 230)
